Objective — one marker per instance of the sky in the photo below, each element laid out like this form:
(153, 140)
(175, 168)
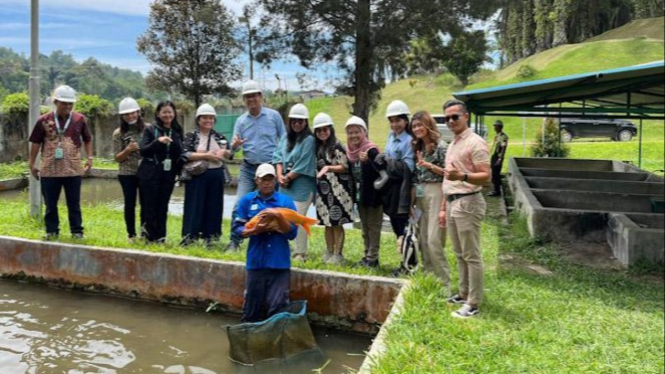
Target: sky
(107, 30)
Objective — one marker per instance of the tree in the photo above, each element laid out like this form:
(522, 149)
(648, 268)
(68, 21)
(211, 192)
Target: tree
(467, 52)
(549, 145)
(191, 45)
(363, 37)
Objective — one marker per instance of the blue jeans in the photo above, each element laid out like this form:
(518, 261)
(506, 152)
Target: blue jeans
(246, 184)
(51, 187)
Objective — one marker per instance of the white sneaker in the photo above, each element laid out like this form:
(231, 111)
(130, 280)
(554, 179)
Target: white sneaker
(466, 311)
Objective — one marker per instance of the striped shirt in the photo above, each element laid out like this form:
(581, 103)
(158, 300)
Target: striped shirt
(465, 153)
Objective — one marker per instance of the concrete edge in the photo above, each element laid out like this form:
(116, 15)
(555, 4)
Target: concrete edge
(13, 184)
(344, 301)
(378, 348)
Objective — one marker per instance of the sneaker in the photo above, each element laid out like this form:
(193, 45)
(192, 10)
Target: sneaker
(77, 236)
(51, 236)
(466, 311)
(327, 257)
(494, 194)
(336, 260)
(300, 257)
(456, 299)
(233, 246)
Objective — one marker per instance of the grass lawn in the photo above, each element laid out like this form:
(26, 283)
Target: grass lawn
(558, 318)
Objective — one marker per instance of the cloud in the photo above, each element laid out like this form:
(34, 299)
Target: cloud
(26, 26)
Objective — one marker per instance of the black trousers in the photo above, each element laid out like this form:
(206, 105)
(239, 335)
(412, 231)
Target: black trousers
(130, 188)
(398, 223)
(496, 174)
(204, 203)
(155, 194)
(266, 292)
(51, 187)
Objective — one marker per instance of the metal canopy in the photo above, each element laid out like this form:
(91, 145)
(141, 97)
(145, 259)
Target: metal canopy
(631, 92)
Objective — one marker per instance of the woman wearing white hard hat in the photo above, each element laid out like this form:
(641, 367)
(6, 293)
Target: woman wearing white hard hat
(361, 153)
(295, 161)
(334, 187)
(204, 149)
(398, 162)
(126, 139)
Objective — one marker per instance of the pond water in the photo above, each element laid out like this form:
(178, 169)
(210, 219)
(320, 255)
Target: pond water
(49, 330)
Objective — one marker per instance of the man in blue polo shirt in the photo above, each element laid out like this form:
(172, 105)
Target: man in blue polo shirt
(257, 133)
(268, 255)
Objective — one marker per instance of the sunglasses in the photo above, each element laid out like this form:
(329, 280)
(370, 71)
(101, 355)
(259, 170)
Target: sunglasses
(454, 117)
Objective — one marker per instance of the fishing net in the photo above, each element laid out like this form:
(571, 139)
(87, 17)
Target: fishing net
(282, 337)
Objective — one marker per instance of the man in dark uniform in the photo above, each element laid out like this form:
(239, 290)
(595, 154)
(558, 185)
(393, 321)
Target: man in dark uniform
(498, 154)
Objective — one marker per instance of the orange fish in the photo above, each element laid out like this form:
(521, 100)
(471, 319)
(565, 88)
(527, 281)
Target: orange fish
(291, 215)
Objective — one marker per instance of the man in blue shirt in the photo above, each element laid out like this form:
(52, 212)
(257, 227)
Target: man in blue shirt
(257, 133)
(268, 255)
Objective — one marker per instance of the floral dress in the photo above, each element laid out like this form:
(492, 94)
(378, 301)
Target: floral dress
(334, 192)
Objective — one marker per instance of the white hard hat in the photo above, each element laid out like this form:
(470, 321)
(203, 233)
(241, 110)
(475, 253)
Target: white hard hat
(299, 111)
(206, 110)
(396, 108)
(64, 94)
(128, 105)
(251, 87)
(322, 120)
(356, 121)
(265, 169)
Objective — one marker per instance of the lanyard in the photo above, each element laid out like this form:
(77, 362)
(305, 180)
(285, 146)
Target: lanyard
(57, 125)
(168, 145)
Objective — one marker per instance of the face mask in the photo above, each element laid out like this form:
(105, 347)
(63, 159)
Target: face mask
(133, 122)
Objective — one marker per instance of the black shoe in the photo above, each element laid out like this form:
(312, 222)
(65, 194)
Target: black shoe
(369, 263)
(187, 241)
(494, 194)
(400, 271)
(456, 299)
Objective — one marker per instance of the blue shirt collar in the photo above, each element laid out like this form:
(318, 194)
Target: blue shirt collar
(401, 138)
(257, 196)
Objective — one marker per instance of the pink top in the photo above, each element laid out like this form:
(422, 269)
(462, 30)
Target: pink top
(466, 152)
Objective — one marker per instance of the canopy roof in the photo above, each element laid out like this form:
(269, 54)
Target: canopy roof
(630, 92)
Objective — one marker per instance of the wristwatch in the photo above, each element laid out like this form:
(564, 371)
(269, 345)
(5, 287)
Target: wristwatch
(466, 176)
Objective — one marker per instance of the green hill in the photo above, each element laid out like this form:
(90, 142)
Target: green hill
(650, 28)
(604, 52)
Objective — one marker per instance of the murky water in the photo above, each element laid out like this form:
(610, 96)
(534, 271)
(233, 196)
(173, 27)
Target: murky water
(45, 330)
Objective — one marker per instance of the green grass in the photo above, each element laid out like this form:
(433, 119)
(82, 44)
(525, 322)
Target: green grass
(652, 28)
(13, 170)
(575, 320)
(104, 227)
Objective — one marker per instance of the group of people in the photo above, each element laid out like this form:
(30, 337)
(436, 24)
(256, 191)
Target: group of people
(292, 165)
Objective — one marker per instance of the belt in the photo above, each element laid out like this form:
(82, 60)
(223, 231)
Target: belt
(250, 164)
(453, 197)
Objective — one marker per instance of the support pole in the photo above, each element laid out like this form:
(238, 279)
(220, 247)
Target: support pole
(639, 157)
(35, 195)
(523, 136)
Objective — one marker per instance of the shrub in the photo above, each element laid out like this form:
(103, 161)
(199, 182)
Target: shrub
(551, 146)
(93, 106)
(526, 71)
(16, 104)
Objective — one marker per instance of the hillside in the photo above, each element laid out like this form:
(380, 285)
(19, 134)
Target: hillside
(650, 28)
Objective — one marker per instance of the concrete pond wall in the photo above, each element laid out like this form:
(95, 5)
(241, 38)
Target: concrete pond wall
(569, 200)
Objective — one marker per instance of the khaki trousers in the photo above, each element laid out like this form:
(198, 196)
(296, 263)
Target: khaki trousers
(464, 219)
(301, 239)
(371, 220)
(431, 237)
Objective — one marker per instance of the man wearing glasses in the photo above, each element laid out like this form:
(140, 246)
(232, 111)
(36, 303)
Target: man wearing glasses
(463, 208)
(257, 133)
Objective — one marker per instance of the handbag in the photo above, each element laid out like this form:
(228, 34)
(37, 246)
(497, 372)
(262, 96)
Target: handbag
(195, 168)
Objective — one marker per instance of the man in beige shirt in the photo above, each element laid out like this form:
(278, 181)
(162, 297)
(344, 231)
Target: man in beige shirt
(463, 208)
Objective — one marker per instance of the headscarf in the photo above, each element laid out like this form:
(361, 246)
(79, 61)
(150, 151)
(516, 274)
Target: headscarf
(352, 152)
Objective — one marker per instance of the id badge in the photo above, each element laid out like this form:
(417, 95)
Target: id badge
(167, 164)
(419, 191)
(59, 154)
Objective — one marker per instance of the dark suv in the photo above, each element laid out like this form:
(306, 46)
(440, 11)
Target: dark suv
(615, 128)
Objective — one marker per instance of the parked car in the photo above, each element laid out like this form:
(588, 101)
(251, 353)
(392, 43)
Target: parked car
(614, 128)
(448, 135)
